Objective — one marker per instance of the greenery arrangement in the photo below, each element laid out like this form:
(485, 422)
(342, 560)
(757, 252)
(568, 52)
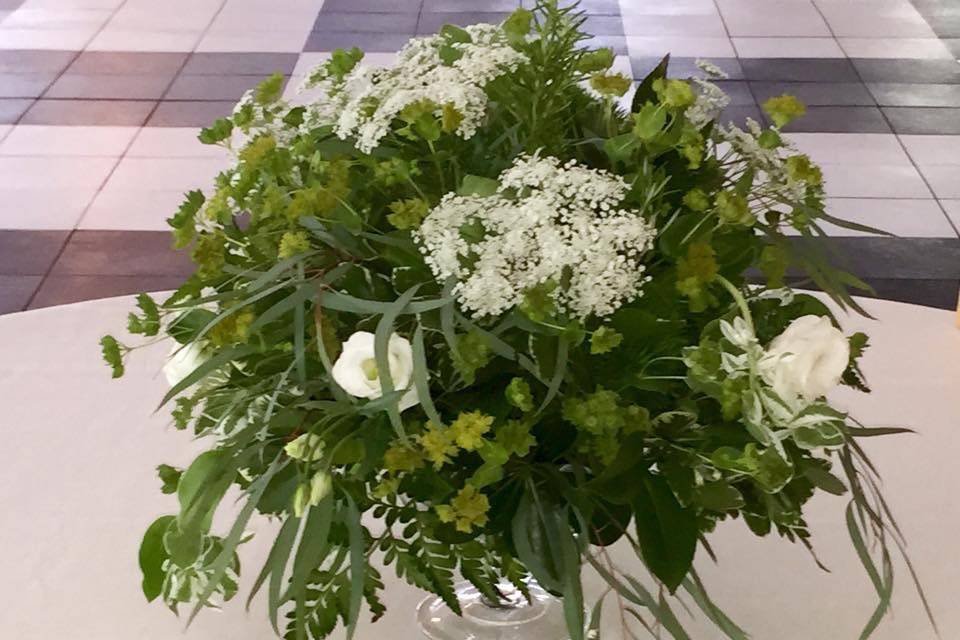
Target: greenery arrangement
(466, 317)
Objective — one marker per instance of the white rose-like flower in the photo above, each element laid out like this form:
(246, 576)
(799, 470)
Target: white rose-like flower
(182, 362)
(356, 368)
(807, 359)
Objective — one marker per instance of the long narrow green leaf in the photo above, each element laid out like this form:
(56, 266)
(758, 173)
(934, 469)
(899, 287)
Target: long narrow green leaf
(596, 617)
(669, 620)
(350, 304)
(870, 432)
(559, 371)
(299, 327)
(861, 548)
(276, 577)
(855, 226)
(501, 348)
(615, 583)
(209, 366)
(220, 564)
(694, 586)
(276, 561)
(244, 302)
(421, 377)
(313, 545)
(448, 319)
(302, 293)
(312, 550)
(570, 563)
(527, 530)
(884, 602)
(381, 350)
(358, 565)
(274, 272)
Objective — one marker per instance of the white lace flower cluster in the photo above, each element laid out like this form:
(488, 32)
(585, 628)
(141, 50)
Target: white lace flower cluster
(548, 224)
(711, 100)
(364, 103)
(773, 176)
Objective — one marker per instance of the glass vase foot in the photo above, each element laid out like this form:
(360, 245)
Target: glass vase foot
(512, 619)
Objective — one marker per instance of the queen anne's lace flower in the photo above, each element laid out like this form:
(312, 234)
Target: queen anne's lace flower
(364, 103)
(548, 223)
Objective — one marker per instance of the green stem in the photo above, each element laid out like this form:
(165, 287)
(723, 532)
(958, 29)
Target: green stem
(436, 164)
(740, 300)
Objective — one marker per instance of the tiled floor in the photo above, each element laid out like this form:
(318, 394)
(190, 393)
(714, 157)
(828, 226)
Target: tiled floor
(101, 100)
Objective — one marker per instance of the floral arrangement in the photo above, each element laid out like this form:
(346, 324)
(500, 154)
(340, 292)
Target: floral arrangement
(467, 317)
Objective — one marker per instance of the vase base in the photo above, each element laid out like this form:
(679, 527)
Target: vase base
(513, 619)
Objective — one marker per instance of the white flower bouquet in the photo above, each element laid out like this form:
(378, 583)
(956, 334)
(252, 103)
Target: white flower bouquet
(467, 318)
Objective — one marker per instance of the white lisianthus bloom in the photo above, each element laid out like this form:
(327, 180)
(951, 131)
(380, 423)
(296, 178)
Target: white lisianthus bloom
(356, 368)
(807, 359)
(184, 359)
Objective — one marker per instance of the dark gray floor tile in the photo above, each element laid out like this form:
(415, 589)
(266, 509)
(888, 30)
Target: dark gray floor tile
(738, 115)
(888, 258)
(370, 42)
(924, 120)
(215, 87)
(938, 293)
(240, 63)
(111, 87)
(816, 94)
(329, 21)
(432, 22)
(916, 95)
(29, 252)
(118, 113)
(590, 7)
(25, 85)
(11, 109)
(434, 6)
(373, 6)
(602, 25)
(121, 253)
(617, 43)
(597, 7)
(127, 63)
(941, 294)
(945, 26)
(685, 67)
(15, 292)
(738, 91)
(840, 120)
(909, 71)
(799, 69)
(32, 60)
(57, 290)
(185, 113)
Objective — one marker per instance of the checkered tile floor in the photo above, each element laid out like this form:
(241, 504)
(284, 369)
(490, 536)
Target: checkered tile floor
(101, 100)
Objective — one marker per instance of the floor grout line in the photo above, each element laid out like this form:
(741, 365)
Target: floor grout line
(49, 270)
(146, 119)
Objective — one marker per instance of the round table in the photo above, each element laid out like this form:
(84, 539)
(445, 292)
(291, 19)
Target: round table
(78, 488)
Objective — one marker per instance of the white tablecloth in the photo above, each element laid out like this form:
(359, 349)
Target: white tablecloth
(77, 489)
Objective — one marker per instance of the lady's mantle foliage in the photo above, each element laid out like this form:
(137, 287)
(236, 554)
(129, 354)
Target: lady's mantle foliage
(471, 298)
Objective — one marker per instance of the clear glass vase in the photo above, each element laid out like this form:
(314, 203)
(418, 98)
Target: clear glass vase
(511, 619)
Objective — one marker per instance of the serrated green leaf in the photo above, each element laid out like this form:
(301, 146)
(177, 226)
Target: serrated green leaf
(110, 349)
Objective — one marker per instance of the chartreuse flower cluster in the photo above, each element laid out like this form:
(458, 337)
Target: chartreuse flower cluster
(469, 318)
